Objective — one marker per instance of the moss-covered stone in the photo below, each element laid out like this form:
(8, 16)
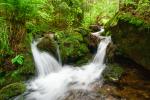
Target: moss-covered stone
(131, 36)
(84, 32)
(113, 72)
(12, 90)
(48, 44)
(83, 60)
(72, 45)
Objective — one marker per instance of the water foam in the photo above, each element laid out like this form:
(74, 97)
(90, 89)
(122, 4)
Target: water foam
(56, 80)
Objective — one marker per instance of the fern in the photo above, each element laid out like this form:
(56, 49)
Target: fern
(4, 36)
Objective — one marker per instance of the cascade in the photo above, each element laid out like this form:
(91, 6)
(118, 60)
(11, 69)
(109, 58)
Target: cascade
(54, 80)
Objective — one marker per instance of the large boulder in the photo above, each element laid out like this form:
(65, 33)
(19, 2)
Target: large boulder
(73, 45)
(131, 35)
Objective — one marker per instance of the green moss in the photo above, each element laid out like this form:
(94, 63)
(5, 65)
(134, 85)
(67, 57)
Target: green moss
(28, 65)
(72, 45)
(128, 17)
(113, 72)
(83, 60)
(47, 44)
(83, 31)
(12, 90)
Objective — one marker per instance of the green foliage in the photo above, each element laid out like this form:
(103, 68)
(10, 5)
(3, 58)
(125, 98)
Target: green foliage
(4, 42)
(12, 90)
(19, 10)
(100, 12)
(128, 2)
(19, 59)
(22, 73)
(17, 13)
(72, 45)
(131, 19)
(28, 67)
(67, 13)
(143, 6)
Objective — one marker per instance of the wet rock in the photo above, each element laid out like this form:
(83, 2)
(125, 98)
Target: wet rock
(134, 84)
(93, 43)
(82, 95)
(110, 52)
(84, 32)
(113, 72)
(92, 93)
(131, 37)
(95, 28)
(48, 44)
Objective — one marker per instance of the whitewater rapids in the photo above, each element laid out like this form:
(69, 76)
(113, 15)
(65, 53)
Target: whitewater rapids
(54, 80)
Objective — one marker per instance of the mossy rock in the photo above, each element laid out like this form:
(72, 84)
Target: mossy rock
(83, 31)
(83, 60)
(48, 44)
(72, 46)
(95, 28)
(12, 90)
(113, 72)
(131, 36)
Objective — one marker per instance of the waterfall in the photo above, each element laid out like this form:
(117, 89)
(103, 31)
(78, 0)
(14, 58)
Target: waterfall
(44, 62)
(56, 79)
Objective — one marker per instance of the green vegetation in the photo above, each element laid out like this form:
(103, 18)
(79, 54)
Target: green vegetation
(113, 72)
(72, 45)
(18, 60)
(12, 90)
(4, 36)
(100, 14)
(22, 21)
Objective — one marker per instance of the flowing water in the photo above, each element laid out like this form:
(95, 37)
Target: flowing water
(44, 62)
(54, 80)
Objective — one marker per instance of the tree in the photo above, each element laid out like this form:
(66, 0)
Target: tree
(67, 13)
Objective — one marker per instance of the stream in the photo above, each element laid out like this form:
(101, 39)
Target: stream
(54, 81)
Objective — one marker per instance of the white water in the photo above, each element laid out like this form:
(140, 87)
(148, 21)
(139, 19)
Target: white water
(55, 80)
(44, 62)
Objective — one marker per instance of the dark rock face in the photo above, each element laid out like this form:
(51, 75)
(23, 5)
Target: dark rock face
(132, 41)
(93, 43)
(110, 52)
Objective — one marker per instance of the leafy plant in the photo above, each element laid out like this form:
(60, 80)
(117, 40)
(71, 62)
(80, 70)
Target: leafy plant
(127, 2)
(143, 6)
(3, 36)
(66, 13)
(100, 12)
(19, 59)
(16, 13)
